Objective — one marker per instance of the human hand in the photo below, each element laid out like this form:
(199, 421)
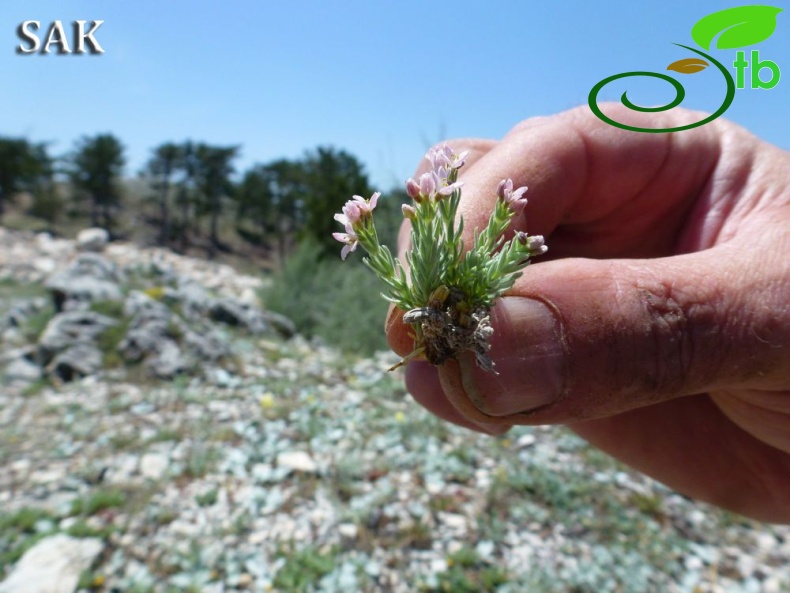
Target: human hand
(667, 345)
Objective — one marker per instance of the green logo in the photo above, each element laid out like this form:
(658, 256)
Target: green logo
(736, 27)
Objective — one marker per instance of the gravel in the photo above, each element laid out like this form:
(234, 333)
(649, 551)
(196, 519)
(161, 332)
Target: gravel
(305, 469)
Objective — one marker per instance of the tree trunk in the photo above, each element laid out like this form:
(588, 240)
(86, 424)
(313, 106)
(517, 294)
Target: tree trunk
(94, 213)
(213, 240)
(262, 228)
(184, 226)
(164, 214)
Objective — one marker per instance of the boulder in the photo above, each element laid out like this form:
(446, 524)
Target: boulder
(76, 361)
(93, 239)
(22, 367)
(53, 565)
(195, 300)
(88, 279)
(239, 314)
(168, 360)
(208, 345)
(148, 334)
(280, 323)
(142, 309)
(70, 328)
(153, 336)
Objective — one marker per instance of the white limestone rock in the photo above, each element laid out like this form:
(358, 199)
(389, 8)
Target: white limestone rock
(53, 565)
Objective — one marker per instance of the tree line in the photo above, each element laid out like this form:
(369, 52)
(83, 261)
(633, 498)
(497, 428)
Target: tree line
(192, 190)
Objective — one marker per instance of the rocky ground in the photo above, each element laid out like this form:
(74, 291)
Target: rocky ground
(159, 432)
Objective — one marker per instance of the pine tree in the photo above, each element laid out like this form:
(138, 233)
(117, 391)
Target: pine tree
(96, 166)
(162, 168)
(24, 166)
(214, 167)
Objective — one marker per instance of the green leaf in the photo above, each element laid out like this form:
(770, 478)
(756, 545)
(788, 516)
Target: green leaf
(739, 26)
(688, 65)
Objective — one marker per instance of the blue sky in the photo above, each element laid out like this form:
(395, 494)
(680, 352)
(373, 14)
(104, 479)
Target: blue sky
(377, 78)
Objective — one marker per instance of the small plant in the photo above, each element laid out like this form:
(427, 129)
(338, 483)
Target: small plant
(98, 501)
(201, 459)
(207, 498)
(303, 569)
(109, 342)
(35, 325)
(36, 387)
(164, 516)
(468, 573)
(90, 581)
(24, 520)
(82, 529)
(155, 292)
(448, 293)
(108, 308)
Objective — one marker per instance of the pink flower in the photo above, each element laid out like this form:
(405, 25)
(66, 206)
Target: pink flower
(428, 183)
(444, 157)
(534, 243)
(448, 189)
(433, 186)
(511, 197)
(413, 189)
(349, 238)
(354, 213)
(344, 220)
(357, 208)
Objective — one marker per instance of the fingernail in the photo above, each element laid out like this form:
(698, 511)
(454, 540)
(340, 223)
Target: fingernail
(393, 315)
(529, 355)
(495, 430)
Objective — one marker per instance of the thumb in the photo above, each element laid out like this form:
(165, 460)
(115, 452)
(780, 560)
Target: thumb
(581, 339)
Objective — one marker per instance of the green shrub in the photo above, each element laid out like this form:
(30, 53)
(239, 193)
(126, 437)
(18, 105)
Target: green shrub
(336, 301)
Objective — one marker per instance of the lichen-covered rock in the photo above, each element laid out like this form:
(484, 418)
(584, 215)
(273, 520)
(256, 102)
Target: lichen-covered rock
(78, 360)
(166, 316)
(194, 299)
(150, 336)
(88, 279)
(70, 328)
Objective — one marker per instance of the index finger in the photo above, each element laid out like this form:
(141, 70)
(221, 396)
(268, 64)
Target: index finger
(596, 189)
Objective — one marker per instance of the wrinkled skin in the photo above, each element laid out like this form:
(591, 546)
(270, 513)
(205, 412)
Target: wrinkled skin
(658, 325)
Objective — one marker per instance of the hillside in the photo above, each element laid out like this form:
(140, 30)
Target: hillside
(161, 432)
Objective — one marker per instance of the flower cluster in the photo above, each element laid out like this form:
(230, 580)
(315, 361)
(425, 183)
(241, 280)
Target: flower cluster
(356, 212)
(449, 291)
